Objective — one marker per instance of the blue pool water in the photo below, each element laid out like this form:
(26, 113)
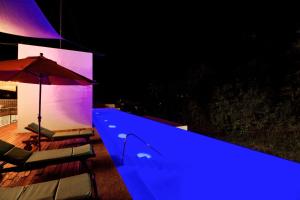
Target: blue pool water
(177, 164)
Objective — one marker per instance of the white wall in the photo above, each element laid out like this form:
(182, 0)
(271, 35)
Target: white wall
(63, 107)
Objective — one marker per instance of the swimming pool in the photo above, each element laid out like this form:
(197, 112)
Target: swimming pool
(163, 162)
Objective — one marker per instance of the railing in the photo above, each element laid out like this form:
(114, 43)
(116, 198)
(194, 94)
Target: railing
(8, 115)
(140, 139)
(8, 103)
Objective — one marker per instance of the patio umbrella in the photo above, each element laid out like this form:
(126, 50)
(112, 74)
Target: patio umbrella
(40, 70)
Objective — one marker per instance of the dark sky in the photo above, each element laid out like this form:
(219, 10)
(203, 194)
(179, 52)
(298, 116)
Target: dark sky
(137, 42)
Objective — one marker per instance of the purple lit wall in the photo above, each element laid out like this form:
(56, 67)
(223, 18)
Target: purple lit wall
(24, 18)
(63, 107)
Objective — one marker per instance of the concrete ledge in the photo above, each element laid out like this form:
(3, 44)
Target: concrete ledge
(175, 124)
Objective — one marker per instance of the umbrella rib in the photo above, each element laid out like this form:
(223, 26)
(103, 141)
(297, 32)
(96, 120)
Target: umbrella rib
(35, 74)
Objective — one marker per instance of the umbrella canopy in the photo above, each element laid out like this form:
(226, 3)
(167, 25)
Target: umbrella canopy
(40, 70)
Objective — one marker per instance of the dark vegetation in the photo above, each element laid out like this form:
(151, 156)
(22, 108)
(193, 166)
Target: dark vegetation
(254, 104)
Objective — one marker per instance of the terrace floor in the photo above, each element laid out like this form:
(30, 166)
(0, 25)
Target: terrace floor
(109, 183)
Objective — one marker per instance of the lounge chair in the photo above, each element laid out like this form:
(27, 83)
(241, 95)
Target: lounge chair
(74, 187)
(24, 160)
(49, 135)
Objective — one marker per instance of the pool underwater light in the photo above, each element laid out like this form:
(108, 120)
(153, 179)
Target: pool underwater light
(143, 155)
(122, 135)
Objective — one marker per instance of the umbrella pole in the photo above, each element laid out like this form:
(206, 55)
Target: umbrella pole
(39, 116)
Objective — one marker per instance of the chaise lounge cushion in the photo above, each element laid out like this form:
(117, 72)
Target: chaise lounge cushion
(60, 154)
(4, 147)
(70, 188)
(86, 132)
(16, 156)
(45, 190)
(82, 183)
(69, 134)
(83, 150)
(59, 135)
(26, 160)
(47, 155)
(12, 154)
(62, 135)
(10, 193)
(45, 132)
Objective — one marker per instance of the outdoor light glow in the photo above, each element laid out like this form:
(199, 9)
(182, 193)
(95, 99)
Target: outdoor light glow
(112, 126)
(143, 155)
(122, 135)
(193, 166)
(106, 120)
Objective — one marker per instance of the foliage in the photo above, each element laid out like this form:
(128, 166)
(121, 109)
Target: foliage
(252, 112)
(234, 109)
(257, 118)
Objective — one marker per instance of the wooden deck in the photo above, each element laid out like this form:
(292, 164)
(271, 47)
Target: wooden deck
(109, 183)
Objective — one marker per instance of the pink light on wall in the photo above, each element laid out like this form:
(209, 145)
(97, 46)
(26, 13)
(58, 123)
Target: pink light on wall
(24, 18)
(63, 107)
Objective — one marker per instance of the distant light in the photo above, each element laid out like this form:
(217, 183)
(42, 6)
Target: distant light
(143, 155)
(122, 135)
(105, 120)
(112, 126)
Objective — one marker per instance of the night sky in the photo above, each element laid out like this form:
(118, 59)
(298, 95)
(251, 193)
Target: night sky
(136, 43)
